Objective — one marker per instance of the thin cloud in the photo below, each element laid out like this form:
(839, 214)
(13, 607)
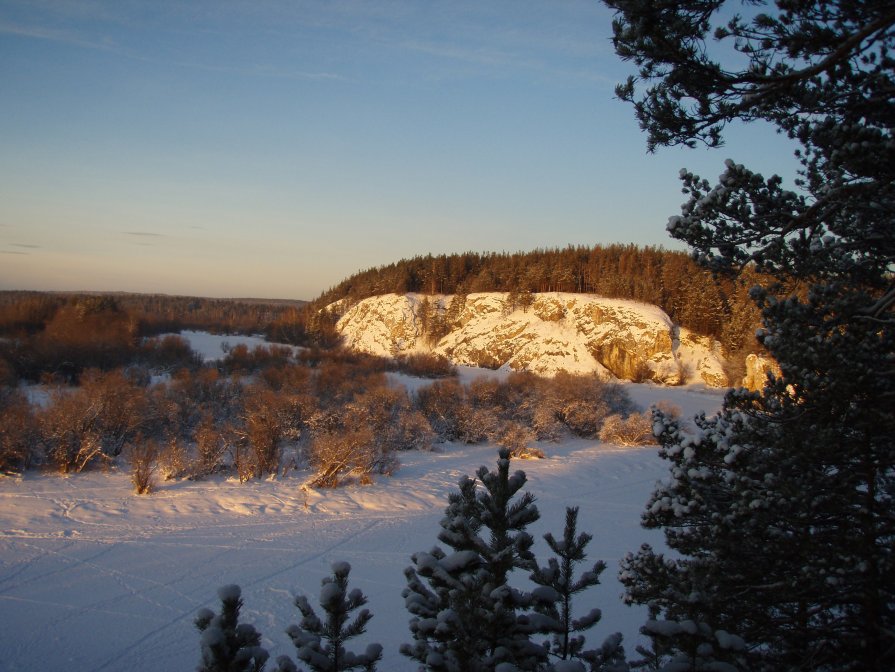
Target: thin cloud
(29, 246)
(13, 252)
(54, 35)
(145, 234)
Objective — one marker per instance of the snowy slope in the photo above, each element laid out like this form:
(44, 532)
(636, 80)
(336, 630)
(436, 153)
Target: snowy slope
(93, 577)
(577, 333)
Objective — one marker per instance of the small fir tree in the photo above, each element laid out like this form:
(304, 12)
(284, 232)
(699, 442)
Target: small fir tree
(553, 600)
(226, 644)
(468, 619)
(320, 643)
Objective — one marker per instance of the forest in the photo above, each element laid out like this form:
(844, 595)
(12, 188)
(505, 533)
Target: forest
(709, 304)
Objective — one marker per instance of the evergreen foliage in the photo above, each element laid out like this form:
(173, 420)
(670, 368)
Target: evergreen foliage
(780, 509)
(670, 280)
(553, 599)
(226, 644)
(468, 618)
(320, 643)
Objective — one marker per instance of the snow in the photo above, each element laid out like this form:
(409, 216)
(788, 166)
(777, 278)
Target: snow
(213, 347)
(558, 332)
(93, 577)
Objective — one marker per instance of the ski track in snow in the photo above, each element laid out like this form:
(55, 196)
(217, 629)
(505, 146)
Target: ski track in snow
(93, 577)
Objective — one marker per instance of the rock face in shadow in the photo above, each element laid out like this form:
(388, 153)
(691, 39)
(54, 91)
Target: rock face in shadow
(542, 333)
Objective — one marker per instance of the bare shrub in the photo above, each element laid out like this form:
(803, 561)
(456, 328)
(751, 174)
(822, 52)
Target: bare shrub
(69, 429)
(389, 414)
(634, 430)
(211, 445)
(245, 461)
(426, 365)
(582, 403)
(487, 393)
(669, 410)
(518, 439)
(142, 455)
(94, 422)
(439, 403)
(267, 420)
(18, 431)
(347, 454)
(474, 425)
(173, 459)
(546, 424)
(452, 418)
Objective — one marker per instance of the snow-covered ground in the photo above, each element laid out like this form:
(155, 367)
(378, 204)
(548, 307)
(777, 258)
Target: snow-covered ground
(215, 346)
(93, 577)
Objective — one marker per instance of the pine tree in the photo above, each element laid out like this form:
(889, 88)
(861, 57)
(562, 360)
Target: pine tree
(553, 600)
(468, 618)
(228, 645)
(780, 509)
(321, 643)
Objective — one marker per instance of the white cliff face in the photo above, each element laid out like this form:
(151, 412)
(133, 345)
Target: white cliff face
(578, 333)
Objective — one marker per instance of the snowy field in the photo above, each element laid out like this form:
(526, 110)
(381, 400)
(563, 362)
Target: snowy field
(93, 577)
(212, 347)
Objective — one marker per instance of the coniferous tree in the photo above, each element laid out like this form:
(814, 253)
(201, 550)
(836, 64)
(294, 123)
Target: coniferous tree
(553, 600)
(468, 618)
(781, 508)
(320, 643)
(226, 644)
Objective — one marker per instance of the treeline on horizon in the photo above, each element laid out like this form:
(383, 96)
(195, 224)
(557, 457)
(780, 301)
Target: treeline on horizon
(65, 333)
(61, 334)
(693, 298)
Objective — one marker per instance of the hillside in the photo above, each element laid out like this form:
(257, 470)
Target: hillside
(551, 332)
(715, 306)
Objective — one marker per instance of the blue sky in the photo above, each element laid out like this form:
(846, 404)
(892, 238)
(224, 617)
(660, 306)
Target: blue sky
(272, 147)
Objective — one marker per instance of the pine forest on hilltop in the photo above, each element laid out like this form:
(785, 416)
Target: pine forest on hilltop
(717, 306)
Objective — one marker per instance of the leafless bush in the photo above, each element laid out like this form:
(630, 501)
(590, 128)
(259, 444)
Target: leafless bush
(173, 459)
(142, 455)
(669, 410)
(347, 454)
(426, 365)
(518, 439)
(412, 432)
(211, 445)
(451, 417)
(546, 424)
(634, 430)
(268, 419)
(18, 431)
(70, 430)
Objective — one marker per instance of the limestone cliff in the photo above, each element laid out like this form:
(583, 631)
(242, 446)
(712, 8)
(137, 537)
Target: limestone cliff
(550, 332)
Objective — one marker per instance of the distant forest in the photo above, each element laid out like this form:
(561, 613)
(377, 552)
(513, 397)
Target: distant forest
(715, 306)
(65, 333)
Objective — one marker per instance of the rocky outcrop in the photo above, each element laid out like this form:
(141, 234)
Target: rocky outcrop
(578, 333)
(757, 369)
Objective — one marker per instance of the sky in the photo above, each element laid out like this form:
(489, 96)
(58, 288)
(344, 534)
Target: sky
(271, 148)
